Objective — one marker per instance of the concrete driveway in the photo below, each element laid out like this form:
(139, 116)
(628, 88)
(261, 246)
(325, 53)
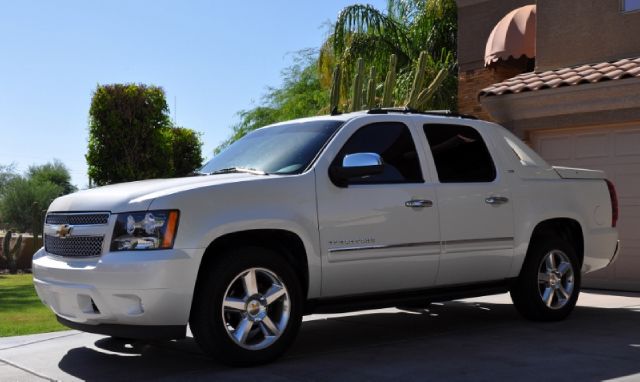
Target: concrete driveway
(473, 339)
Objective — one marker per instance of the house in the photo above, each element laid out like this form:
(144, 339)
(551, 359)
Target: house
(565, 77)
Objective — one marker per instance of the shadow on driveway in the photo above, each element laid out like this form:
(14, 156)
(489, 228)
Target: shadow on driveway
(451, 341)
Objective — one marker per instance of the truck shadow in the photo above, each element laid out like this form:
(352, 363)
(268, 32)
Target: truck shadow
(450, 341)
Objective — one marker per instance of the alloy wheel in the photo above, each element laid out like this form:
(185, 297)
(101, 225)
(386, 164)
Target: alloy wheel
(256, 308)
(555, 279)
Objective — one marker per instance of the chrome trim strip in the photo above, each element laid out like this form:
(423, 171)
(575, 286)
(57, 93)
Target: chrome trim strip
(71, 213)
(478, 241)
(382, 246)
(408, 245)
(472, 245)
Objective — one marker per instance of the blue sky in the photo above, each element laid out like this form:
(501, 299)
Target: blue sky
(215, 58)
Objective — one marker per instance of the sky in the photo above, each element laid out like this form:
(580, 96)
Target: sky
(213, 59)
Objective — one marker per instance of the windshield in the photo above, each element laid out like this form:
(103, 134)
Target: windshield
(281, 149)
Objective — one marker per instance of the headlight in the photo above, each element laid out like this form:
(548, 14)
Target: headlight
(145, 230)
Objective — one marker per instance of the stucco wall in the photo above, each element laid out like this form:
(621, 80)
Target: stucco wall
(476, 19)
(584, 31)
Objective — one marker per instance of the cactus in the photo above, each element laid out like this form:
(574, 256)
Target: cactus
(370, 97)
(389, 82)
(11, 253)
(425, 96)
(356, 101)
(335, 89)
(418, 81)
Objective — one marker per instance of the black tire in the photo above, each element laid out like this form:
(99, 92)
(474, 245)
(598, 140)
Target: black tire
(527, 292)
(207, 323)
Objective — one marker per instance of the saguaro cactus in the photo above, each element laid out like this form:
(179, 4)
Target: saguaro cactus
(371, 88)
(11, 253)
(418, 81)
(389, 82)
(425, 95)
(356, 100)
(335, 89)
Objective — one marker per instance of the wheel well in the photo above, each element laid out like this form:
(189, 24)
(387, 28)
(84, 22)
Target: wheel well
(565, 228)
(286, 243)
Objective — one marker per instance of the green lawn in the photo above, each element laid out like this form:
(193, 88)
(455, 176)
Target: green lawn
(21, 311)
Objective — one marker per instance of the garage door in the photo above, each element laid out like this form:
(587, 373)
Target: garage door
(616, 150)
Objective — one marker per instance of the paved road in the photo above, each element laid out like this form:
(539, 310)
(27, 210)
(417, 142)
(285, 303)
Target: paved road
(474, 339)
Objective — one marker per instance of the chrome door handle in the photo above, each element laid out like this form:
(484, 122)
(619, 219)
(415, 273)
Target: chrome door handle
(418, 203)
(496, 200)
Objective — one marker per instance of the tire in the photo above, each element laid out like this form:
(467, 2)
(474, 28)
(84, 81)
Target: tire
(252, 328)
(548, 286)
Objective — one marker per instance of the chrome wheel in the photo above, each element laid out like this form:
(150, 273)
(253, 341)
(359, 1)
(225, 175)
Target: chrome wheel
(555, 279)
(256, 308)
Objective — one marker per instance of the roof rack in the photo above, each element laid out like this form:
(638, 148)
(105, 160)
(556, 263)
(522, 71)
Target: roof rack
(407, 110)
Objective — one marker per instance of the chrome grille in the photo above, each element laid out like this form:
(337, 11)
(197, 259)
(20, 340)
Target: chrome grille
(78, 219)
(74, 246)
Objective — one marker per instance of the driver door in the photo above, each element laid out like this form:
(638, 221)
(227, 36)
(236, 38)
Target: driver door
(379, 233)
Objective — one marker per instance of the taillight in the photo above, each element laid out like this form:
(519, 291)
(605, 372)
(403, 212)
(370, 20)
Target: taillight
(614, 202)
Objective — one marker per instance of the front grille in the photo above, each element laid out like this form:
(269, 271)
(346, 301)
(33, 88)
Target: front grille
(78, 219)
(74, 246)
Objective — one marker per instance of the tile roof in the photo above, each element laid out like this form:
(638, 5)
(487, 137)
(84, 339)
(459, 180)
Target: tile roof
(583, 74)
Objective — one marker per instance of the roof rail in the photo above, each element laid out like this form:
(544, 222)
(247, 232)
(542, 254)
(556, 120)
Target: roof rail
(407, 110)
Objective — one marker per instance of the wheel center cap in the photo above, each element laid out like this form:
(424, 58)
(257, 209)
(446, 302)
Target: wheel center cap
(256, 310)
(553, 279)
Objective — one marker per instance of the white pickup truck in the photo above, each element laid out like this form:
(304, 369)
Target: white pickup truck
(386, 207)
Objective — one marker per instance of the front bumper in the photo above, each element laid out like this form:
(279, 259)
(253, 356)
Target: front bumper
(151, 288)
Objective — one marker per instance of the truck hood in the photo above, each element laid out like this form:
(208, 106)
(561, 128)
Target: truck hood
(137, 196)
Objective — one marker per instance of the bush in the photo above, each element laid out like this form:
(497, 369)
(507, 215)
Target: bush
(131, 136)
(187, 151)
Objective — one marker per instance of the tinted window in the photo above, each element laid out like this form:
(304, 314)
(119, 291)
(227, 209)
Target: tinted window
(460, 154)
(281, 149)
(393, 142)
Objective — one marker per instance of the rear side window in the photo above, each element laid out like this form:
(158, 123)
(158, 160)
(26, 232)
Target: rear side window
(460, 154)
(393, 142)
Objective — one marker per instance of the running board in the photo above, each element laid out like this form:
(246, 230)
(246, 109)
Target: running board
(425, 296)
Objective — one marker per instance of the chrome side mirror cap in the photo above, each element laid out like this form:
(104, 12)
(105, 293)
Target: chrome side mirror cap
(356, 165)
(367, 160)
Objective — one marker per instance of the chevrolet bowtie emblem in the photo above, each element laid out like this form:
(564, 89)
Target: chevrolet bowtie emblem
(64, 231)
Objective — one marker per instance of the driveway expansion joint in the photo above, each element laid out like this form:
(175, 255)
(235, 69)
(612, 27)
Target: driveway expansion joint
(26, 370)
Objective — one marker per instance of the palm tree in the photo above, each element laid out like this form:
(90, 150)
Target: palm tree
(406, 29)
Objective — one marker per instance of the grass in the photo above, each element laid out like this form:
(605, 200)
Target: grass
(21, 311)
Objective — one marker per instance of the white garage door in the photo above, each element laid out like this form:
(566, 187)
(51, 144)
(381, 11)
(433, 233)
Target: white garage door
(616, 150)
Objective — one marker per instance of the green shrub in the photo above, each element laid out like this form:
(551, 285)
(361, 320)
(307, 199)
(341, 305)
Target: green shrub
(187, 151)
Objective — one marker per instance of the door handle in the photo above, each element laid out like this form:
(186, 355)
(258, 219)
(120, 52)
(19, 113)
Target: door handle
(418, 203)
(496, 200)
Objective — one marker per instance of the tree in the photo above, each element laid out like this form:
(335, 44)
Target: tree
(405, 30)
(7, 172)
(301, 95)
(129, 134)
(187, 151)
(23, 200)
(55, 172)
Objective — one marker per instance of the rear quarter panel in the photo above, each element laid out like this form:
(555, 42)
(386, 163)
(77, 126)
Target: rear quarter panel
(583, 200)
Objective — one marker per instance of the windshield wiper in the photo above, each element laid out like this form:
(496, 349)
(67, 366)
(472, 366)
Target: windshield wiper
(238, 169)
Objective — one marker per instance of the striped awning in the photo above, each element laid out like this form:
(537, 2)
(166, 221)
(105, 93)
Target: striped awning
(513, 37)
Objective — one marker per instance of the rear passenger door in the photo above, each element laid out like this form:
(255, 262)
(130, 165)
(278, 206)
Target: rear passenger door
(474, 200)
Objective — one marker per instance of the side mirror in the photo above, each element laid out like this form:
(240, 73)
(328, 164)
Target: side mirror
(355, 166)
